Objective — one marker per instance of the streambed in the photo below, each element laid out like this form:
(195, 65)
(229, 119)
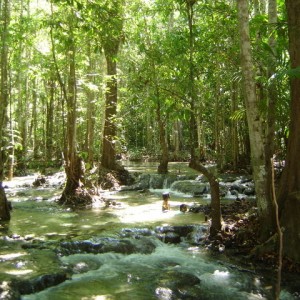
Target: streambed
(168, 271)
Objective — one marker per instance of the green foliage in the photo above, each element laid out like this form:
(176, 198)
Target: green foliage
(238, 115)
(154, 62)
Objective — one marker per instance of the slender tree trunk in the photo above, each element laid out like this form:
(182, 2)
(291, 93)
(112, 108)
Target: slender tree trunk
(234, 129)
(164, 149)
(11, 151)
(191, 92)
(164, 160)
(271, 114)
(194, 163)
(90, 115)
(33, 129)
(74, 168)
(255, 125)
(50, 119)
(73, 164)
(5, 19)
(23, 91)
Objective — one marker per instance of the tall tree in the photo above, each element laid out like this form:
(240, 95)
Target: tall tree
(4, 96)
(289, 193)
(255, 124)
(271, 112)
(193, 138)
(72, 193)
(111, 36)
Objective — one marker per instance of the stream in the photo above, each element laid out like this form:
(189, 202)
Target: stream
(124, 258)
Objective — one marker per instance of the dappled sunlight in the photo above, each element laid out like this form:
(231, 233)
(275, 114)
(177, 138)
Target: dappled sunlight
(101, 297)
(144, 213)
(11, 256)
(19, 272)
(67, 224)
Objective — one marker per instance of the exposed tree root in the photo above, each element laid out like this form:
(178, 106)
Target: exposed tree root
(81, 198)
(113, 179)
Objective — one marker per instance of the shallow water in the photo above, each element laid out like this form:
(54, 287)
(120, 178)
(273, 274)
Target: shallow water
(158, 275)
(136, 276)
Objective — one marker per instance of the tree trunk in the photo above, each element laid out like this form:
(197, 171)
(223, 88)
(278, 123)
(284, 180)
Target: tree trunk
(108, 158)
(11, 150)
(272, 100)
(73, 168)
(177, 138)
(5, 18)
(255, 125)
(215, 198)
(214, 184)
(33, 127)
(291, 176)
(191, 92)
(289, 193)
(72, 193)
(49, 120)
(90, 115)
(234, 129)
(164, 160)
(111, 43)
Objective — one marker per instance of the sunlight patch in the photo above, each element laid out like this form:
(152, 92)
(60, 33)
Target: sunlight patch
(19, 272)
(10, 256)
(221, 274)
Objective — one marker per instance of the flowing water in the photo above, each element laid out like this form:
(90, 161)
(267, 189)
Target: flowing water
(168, 272)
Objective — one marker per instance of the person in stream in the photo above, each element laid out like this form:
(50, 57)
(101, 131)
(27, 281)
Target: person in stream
(166, 204)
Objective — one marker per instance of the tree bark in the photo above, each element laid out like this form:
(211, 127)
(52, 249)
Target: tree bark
(73, 164)
(214, 184)
(49, 120)
(74, 169)
(191, 92)
(291, 176)
(289, 192)
(164, 160)
(5, 19)
(215, 198)
(108, 158)
(257, 141)
(271, 113)
(90, 114)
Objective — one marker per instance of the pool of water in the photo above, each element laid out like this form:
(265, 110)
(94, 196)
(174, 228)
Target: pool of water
(166, 273)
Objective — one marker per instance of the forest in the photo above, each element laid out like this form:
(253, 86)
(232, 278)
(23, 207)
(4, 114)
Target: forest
(88, 84)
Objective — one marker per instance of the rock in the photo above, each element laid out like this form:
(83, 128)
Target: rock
(39, 181)
(136, 233)
(170, 238)
(249, 191)
(124, 246)
(190, 187)
(41, 283)
(179, 284)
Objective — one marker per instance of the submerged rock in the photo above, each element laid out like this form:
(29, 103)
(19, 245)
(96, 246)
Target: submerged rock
(178, 285)
(192, 234)
(124, 246)
(25, 287)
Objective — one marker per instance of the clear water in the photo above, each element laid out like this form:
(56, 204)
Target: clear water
(159, 275)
